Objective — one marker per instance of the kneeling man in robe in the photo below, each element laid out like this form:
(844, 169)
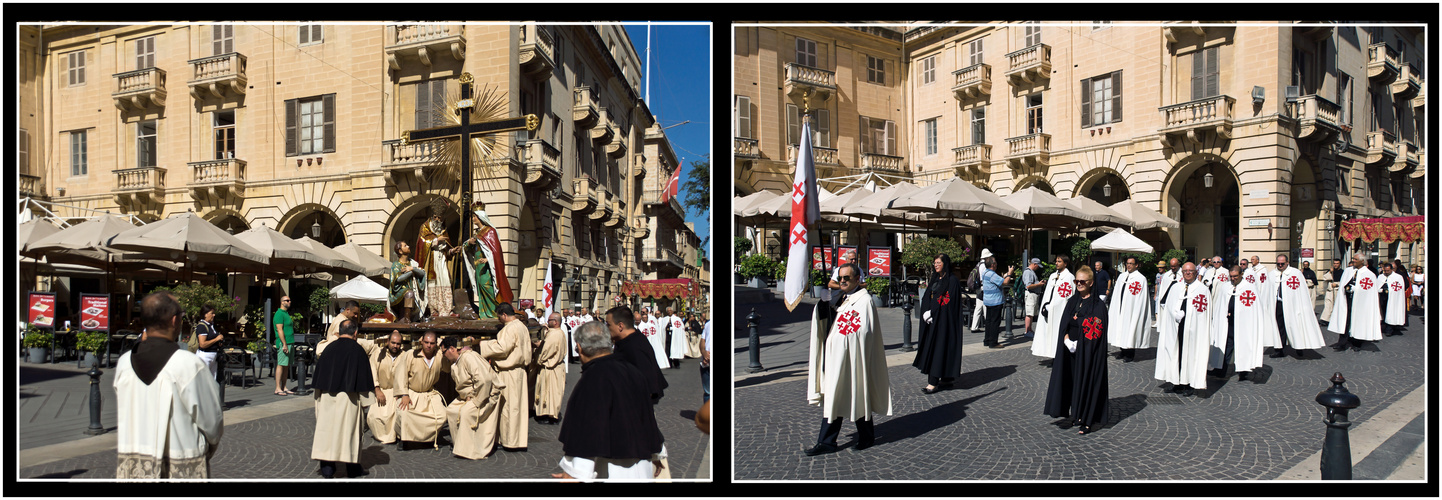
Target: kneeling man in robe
(422, 409)
(342, 378)
(473, 416)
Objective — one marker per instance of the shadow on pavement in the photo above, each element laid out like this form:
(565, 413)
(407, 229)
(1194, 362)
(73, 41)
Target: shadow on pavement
(63, 475)
(1125, 406)
(978, 378)
(236, 403)
(918, 424)
(35, 375)
(1260, 375)
(688, 414)
(773, 375)
(760, 345)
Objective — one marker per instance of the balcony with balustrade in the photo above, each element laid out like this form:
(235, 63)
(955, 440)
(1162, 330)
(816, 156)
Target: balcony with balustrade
(615, 211)
(1381, 148)
(1192, 121)
(972, 160)
(542, 161)
(820, 156)
(806, 80)
(1029, 65)
(212, 180)
(1407, 84)
(32, 186)
(1407, 158)
(422, 41)
(408, 159)
(884, 164)
(653, 198)
(1176, 31)
(616, 148)
(584, 196)
(972, 81)
(1029, 151)
(1318, 118)
(139, 186)
(218, 76)
(658, 256)
(603, 203)
(605, 129)
(537, 51)
(583, 108)
(640, 227)
(1421, 170)
(139, 89)
(1419, 101)
(638, 167)
(1382, 65)
(744, 148)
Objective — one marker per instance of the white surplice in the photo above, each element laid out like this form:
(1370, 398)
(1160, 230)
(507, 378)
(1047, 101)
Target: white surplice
(1059, 287)
(847, 373)
(1130, 312)
(170, 427)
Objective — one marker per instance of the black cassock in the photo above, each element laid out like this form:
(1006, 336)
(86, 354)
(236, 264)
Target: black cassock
(636, 350)
(938, 352)
(609, 413)
(1079, 380)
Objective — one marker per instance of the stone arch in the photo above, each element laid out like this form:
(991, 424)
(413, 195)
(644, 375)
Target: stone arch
(297, 220)
(1093, 180)
(405, 222)
(1177, 197)
(227, 218)
(1034, 180)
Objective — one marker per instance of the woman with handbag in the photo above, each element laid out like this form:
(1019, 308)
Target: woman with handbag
(207, 340)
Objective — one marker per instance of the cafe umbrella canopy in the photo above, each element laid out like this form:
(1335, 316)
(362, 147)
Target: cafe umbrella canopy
(287, 257)
(371, 265)
(189, 239)
(956, 199)
(340, 263)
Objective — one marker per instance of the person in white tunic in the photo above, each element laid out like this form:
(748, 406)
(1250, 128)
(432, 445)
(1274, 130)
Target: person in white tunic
(1130, 311)
(168, 409)
(1164, 281)
(676, 334)
(1355, 315)
(1244, 320)
(1295, 314)
(650, 327)
(1183, 353)
(1059, 288)
(1394, 301)
(847, 374)
(1222, 328)
(1256, 274)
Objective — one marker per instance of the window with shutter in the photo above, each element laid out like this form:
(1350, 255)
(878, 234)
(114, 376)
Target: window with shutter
(1033, 114)
(24, 151)
(821, 127)
(431, 103)
(793, 125)
(875, 70)
(145, 53)
(311, 33)
(224, 134)
(743, 116)
(328, 125)
(1344, 96)
(805, 52)
(890, 138)
(223, 37)
(292, 127)
(929, 129)
(1032, 30)
(79, 153)
(145, 144)
(868, 145)
(1206, 73)
(978, 125)
(76, 68)
(928, 70)
(976, 51)
(1086, 103)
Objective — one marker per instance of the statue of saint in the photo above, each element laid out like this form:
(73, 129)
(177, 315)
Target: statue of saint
(408, 285)
(485, 264)
(432, 248)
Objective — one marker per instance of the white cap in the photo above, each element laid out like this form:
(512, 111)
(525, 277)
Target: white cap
(985, 252)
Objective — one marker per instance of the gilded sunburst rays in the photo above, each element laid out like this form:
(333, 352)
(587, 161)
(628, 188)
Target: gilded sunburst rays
(489, 104)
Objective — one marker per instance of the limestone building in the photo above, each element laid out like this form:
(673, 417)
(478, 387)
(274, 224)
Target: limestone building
(299, 128)
(1260, 138)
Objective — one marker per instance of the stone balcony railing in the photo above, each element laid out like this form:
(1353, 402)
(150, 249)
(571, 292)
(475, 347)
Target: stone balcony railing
(1179, 30)
(973, 159)
(213, 179)
(605, 129)
(583, 108)
(1319, 118)
(1193, 119)
(411, 158)
(801, 80)
(656, 255)
(972, 81)
(218, 75)
(422, 40)
(616, 211)
(139, 89)
(537, 51)
(1421, 170)
(542, 161)
(1420, 100)
(1030, 64)
(640, 227)
(819, 155)
(1381, 148)
(31, 186)
(1407, 84)
(1029, 150)
(1407, 158)
(1382, 65)
(139, 185)
(652, 197)
(745, 148)
(617, 147)
(603, 203)
(584, 198)
(638, 167)
(883, 164)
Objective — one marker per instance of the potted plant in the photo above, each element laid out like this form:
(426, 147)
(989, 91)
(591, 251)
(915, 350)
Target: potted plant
(91, 343)
(255, 347)
(878, 287)
(37, 341)
(819, 279)
(779, 272)
(755, 268)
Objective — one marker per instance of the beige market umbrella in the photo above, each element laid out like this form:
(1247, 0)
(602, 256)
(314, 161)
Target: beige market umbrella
(959, 199)
(371, 265)
(188, 238)
(1045, 211)
(88, 244)
(287, 256)
(340, 263)
(1102, 215)
(30, 232)
(740, 204)
(1119, 240)
(1143, 217)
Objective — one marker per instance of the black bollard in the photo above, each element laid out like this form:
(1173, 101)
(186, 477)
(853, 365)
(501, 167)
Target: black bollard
(95, 427)
(906, 327)
(1336, 450)
(755, 343)
(300, 358)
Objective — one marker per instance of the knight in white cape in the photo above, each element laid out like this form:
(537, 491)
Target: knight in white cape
(1130, 312)
(847, 374)
(1355, 315)
(677, 334)
(1256, 274)
(1246, 318)
(1295, 313)
(1221, 292)
(1393, 298)
(1183, 353)
(1059, 288)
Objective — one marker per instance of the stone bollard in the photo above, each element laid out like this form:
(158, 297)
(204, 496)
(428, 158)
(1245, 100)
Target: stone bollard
(95, 427)
(906, 326)
(1336, 450)
(754, 342)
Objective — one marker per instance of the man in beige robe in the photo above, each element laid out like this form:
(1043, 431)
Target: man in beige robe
(349, 311)
(421, 409)
(343, 377)
(472, 418)
(381, 418)
(511, 351)
(550, 372)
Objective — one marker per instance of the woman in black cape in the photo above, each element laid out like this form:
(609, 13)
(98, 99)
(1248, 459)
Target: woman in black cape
(938, 354)
(1079, 379)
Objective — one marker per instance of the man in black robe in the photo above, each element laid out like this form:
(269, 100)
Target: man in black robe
(609, 430)
(1079, 373)
(342, 377)
(636, 349)
(938, 352)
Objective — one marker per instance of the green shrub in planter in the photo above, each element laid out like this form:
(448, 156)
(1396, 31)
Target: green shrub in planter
(757, 266)
(819, 278)
(255, 346)
(743, 245)
(36, 337)
(878, 286)
(90, 341)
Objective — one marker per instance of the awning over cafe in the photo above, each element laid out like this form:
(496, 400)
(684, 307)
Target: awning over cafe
(1388, 230)
(662, 289)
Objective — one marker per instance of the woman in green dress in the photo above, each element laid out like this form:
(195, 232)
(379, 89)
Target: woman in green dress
(485, 281)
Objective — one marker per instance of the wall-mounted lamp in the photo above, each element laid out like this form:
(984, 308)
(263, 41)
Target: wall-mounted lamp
(1259, 95)
(1107, 189)
(1207, 180)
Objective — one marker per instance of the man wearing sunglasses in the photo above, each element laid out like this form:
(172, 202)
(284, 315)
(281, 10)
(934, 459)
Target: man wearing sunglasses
(847, 372)
(1183, 350)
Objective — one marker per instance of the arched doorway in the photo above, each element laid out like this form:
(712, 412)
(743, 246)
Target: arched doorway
(1306, 216)
(1106, 187)
(229, 220)
(1204, 196)
(1037, 182)
(314, 221)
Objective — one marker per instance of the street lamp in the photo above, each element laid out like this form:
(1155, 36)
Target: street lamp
(1107, 189)
(1207, 180)
(315, 229)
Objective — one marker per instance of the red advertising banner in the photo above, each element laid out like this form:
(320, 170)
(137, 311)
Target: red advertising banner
(848, 254)
(821, 258)
(42, 309)
(94, 312)
(879, 263)
(527, 303)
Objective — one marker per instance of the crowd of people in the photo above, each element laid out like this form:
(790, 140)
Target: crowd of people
(1210, 321)
(170, 420)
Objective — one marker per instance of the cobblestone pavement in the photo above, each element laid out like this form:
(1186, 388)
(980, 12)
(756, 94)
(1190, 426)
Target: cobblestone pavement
(991, 426)
(278, 447)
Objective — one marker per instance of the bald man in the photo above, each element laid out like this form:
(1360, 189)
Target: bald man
(550, 372)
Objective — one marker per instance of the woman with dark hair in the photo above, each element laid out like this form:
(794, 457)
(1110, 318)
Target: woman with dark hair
(1079, 373)
(938, 354)
(207, 339)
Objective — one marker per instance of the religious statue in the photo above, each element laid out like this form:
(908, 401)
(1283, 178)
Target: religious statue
(432, 248)
(408, 285)
(485, 264)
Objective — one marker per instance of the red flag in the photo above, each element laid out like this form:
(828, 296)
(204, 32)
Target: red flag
(672, 186)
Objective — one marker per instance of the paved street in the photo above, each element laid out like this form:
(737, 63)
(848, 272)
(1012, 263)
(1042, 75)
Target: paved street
(991, 425)
(269, 437)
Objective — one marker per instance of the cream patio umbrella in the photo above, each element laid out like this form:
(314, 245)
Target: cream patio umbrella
(188, 238)
(341, 263)
(955, 198)
(1119, 240)
(1101, 214)
(1143, 217)
(287, 256)
(30, 232)
(371, 265)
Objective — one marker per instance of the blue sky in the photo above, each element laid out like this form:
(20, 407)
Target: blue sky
(680, 79)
